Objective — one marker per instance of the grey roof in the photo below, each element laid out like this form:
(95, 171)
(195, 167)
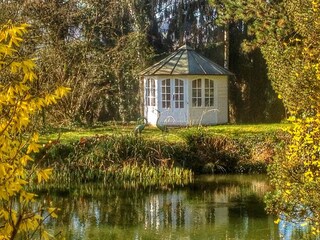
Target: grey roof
(185, 61)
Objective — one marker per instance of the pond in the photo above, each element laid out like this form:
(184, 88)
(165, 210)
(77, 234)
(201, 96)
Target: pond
(212, 207)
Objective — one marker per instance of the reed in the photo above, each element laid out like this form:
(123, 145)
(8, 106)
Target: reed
(134, 174)
(120, 158)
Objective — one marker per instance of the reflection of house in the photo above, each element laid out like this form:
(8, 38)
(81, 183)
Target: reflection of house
(187, 89)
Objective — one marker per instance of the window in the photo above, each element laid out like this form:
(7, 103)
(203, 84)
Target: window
(202, 93)
(178, 93)
(208, 93)
(150, 92)
(196, 93)
(165, 87)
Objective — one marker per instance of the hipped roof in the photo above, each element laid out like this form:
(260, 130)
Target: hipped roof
(185, 61)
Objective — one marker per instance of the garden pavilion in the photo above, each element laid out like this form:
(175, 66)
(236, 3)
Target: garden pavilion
(184, 89)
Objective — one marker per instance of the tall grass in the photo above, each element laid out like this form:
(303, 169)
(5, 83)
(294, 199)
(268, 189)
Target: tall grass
(118, 158)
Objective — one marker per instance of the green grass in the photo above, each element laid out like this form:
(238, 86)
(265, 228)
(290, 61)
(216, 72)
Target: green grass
(175, 134)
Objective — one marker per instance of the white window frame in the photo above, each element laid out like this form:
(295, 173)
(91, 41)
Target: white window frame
(202, 93)
(150, 92)
(166, 93)
(196, 92)
(208, 92)
(178, 96)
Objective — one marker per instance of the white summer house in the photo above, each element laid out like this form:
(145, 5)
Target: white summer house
(184, 89)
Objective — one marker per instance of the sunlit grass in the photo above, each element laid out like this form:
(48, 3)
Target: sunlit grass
(247, 129)
(175, 134)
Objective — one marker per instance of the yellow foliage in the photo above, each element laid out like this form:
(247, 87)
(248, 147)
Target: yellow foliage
(18, 104)
(296, 175)
(44, 174)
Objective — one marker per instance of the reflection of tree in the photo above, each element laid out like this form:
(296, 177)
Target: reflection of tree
(201, 208)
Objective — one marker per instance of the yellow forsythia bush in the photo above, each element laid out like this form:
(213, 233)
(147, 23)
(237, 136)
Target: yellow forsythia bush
(295, 175)
(18, 104)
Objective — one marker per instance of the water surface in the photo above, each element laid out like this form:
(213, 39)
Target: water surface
(213, 207)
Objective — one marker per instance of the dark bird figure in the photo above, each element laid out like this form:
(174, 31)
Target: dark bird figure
(163, 127)
(139, 128)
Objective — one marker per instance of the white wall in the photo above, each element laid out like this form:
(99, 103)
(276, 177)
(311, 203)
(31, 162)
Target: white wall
(203, 116)
(222, 92)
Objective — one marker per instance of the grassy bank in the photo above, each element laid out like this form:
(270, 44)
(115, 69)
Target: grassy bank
(72, 134)
(112, 152)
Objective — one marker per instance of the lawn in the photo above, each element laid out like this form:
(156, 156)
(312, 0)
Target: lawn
(175, 134)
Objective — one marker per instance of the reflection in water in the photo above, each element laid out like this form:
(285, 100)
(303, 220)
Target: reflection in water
(213, 207)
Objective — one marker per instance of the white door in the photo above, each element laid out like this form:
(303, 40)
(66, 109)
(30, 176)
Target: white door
(173, 102)
(150, 97)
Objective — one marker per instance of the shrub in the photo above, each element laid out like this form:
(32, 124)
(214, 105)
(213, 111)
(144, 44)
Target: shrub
(211, 154)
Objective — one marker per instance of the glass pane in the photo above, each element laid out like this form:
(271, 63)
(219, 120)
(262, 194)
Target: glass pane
(194, 93)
